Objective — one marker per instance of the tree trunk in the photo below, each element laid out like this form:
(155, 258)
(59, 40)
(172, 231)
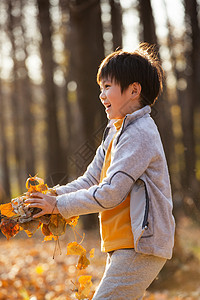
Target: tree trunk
(5, 189)
(16, 106)
(88, 51)
(147, 22)
(26, 94)
(189, 103)
(161, 110)
(116, 23)
(55, 163)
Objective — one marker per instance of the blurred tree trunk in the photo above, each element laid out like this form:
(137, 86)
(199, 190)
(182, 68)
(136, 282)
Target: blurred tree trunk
(5, 191)
(189, 102)
(148, 33)
(87, 53)
(16, 103)
(55, 163)
(161, 110)
(66, 30)
(26, 94)
(116, 23)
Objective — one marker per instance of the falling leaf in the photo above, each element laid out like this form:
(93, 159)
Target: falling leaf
(83, 262)
(7, 210)
(84, 287)
(9, 227)
(75, 249)
(92, 252)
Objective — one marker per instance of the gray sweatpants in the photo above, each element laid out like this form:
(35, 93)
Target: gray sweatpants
(127, 275)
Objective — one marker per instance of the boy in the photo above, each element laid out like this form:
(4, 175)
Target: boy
(127, 181)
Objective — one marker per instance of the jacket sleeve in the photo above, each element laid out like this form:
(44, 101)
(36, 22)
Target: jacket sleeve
(90, 177)
(130, 159)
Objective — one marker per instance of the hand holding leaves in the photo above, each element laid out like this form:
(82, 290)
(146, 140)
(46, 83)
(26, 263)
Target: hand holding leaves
(46, 202)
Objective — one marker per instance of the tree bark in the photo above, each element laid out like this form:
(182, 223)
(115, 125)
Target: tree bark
(116, 23)
(5, 188)
(161, 110)
(189, 103)
(87, 53)
(55, 163)
(16, 105)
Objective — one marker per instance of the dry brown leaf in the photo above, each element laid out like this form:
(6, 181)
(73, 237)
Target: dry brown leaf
(83, 262)
(57, 225)
(9, 227)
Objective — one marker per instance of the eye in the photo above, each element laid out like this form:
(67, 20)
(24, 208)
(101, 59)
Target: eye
(107, 85)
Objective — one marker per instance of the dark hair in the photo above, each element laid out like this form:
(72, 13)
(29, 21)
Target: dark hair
(142, 66)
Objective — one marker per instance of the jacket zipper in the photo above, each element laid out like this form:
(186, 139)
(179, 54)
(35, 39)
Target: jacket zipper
(145, 221)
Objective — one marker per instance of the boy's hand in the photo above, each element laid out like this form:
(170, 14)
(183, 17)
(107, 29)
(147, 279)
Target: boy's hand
(46, 202)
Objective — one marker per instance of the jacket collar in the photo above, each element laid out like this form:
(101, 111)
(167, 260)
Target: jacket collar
(137, 114)
(129, 118)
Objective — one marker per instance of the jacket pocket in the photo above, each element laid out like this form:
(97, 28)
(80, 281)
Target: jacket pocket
(141, 211)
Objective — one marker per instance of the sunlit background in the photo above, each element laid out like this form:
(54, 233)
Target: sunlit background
(51, 119)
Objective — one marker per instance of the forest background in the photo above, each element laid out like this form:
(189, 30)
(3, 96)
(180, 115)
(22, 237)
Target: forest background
(51, 119)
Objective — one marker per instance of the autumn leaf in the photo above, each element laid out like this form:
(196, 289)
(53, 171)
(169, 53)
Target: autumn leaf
(74, 248)
(33, 181)
(45, 229)
(9, 227)
(84, 287)
(72, 221)
(7, 210)
(83, 262)
(30, 227)
(57, 225)
(92, 252)
(50, 238)
(36, 184)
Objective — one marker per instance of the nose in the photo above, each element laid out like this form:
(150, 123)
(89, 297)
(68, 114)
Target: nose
(102, 96)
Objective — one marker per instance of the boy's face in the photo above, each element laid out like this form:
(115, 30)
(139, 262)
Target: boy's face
(117, 104)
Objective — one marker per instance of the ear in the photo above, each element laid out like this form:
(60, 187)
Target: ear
(136, 90)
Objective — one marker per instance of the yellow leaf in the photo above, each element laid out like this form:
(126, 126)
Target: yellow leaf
(85, 279)
(72, 221)
(92, 252)
(33, 181)
(7, 210)
(50, 237)
(75, 249)
(84, 288)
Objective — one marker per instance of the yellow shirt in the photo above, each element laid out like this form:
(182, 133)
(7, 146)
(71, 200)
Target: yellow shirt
(115, 224)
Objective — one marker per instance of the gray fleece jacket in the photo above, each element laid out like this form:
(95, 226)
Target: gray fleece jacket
(138, 166)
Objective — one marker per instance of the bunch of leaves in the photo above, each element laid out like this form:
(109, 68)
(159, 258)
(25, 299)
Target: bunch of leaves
(17, 215)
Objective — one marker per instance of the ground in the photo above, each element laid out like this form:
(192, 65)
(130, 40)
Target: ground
(29, 272)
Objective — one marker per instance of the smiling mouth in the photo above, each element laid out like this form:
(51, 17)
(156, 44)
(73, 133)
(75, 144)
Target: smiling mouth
(108, 106)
